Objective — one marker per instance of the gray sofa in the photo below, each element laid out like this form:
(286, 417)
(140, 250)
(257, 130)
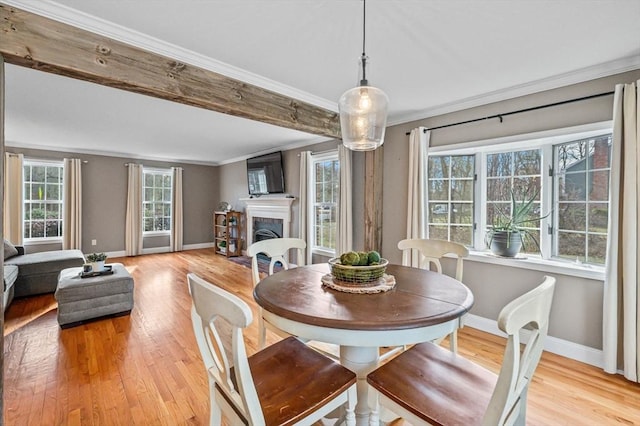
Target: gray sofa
(34, 273)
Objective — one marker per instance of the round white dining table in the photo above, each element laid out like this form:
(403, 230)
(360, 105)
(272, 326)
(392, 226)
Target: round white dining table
(422, 306)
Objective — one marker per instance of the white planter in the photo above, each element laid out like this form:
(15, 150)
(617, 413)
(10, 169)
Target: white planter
(97, 266)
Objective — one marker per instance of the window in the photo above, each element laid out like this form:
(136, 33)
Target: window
(156, 204)
(450, 212)
(582, 198)
(42, 199)
(517, 171)
(566, 174)
(325, 184)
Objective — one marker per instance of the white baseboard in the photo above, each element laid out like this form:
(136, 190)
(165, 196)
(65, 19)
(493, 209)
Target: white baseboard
(156, 250)
(198, 246)
(552, 344)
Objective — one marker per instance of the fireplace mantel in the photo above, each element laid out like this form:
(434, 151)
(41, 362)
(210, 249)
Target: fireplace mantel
(268, 207)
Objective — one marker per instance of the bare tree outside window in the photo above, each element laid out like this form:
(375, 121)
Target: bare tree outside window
(451, 197)
(582, 197)
(566, 176)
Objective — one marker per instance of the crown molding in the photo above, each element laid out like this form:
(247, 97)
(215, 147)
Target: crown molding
(81, 151)
(606, 69)
(287, 147)
(76, 18)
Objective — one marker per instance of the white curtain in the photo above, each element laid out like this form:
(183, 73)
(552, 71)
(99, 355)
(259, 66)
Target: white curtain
(621, 319)
(72, 204)
(303, 214)
(417, 192)
(344, 231)
(176, 210)
(133, 231)
(13, 192)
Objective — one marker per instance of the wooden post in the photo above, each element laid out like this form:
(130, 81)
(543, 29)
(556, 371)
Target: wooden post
(373, 175)
(44, 44)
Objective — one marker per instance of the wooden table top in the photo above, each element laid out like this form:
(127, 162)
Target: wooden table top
(420, 298)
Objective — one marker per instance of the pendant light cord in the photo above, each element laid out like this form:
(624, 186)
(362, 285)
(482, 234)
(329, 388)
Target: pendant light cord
(364, 81)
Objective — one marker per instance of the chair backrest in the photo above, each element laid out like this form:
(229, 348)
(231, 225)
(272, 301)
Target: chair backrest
(277, 249)
(218, 320)
(431, 250)
(531, 310)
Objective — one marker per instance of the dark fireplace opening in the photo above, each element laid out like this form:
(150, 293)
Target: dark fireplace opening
(265, 229)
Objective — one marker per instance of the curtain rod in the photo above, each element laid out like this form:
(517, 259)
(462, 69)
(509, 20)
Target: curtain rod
(584, 98)
(323, 152)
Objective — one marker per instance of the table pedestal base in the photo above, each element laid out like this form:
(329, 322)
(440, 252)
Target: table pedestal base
(360, 360)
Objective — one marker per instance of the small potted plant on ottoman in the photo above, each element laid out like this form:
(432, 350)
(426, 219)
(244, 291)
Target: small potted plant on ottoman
(97, 261)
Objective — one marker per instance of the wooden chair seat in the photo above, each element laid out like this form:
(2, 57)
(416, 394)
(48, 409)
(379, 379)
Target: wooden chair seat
(291, 394)
(428, 385)
(420, 381)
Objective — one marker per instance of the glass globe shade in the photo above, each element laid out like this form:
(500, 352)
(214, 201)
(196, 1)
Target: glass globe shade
(363, 117)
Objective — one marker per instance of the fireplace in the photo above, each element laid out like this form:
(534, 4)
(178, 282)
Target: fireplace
(267, 216)
(265, 228)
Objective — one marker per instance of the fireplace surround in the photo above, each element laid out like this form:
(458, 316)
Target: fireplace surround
(271, 208)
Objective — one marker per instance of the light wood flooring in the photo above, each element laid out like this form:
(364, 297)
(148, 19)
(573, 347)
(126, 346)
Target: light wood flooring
(144, 369)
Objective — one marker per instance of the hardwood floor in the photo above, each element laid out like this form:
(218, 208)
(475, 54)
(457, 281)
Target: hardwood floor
(145, 369)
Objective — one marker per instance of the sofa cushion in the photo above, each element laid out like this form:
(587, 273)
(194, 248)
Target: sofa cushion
(9, 250)
(46, 261)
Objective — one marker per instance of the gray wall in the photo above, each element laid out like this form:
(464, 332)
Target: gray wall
(104, 200)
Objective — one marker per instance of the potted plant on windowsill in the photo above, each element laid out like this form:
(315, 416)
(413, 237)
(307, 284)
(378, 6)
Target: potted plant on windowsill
(509, 232)
(97, 261)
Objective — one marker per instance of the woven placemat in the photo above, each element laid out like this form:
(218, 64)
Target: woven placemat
(384, 283)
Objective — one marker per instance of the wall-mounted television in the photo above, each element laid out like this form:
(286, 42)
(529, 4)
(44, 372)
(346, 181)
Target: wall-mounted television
(265, 174)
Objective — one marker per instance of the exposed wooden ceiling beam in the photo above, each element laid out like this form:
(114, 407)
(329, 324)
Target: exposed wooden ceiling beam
(40, 43)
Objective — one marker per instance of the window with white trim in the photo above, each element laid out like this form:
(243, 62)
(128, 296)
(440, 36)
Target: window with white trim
(517, 172)
(156, 202)
(451, 196)
(567, 174)
(581, 185)
(42, 199)
(325, 194)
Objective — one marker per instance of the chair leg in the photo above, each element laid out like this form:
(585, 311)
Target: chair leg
(262, 333)
(215, 416)
(453, 341)
(374, 403)
(350, 407)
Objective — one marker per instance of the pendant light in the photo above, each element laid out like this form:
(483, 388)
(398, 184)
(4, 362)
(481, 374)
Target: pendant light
(363, 109)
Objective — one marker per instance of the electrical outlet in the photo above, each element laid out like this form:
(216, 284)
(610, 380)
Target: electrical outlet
(94, 242)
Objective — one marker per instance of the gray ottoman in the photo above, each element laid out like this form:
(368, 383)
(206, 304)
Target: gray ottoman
(80, 299)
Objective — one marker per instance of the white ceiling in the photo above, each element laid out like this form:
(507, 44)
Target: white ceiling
(430, 57)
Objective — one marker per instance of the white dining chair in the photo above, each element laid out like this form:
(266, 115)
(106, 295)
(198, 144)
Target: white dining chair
(431, 251)
(278, 250)
(428, 384)
(285, 383)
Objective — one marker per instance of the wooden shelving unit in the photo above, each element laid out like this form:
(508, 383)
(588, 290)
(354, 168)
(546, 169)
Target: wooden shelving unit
(227, 227)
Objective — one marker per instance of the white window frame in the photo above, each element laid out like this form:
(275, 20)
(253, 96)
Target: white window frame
(311, 220)
(155, 171)
(450, 202)
(49, 163)
(546, 140)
